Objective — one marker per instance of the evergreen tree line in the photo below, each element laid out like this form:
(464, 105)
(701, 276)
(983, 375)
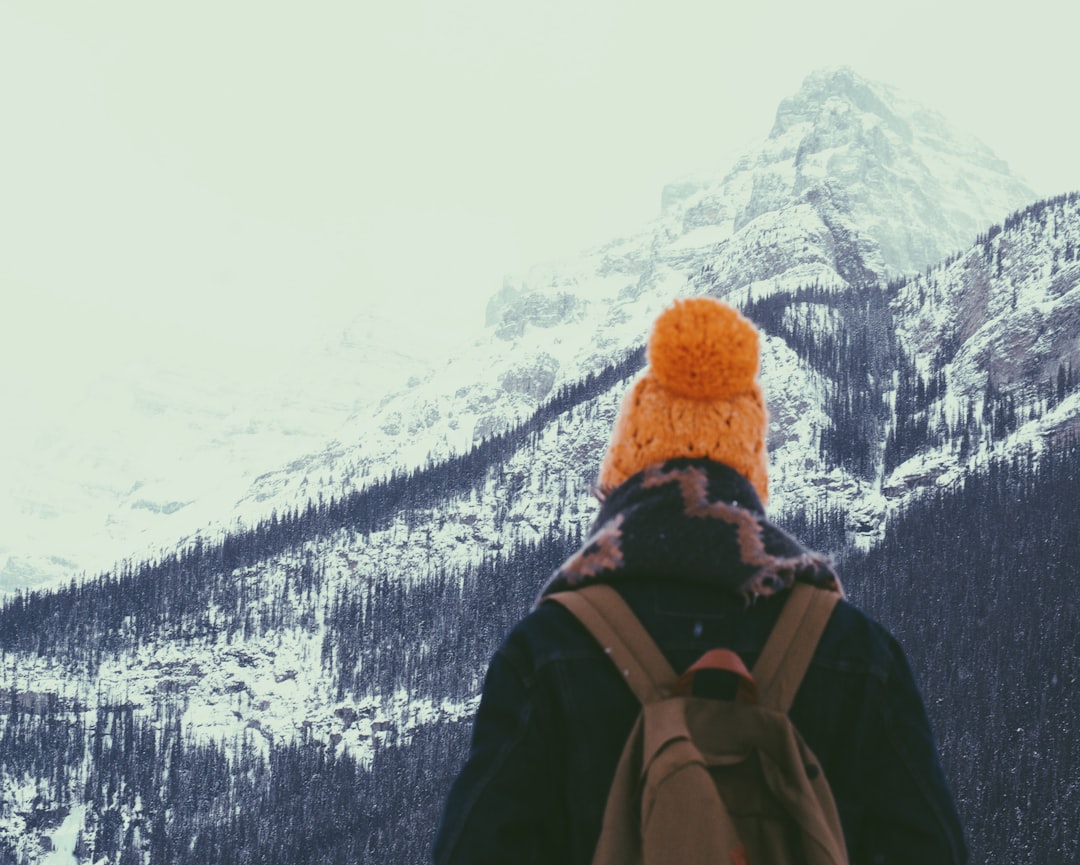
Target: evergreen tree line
(434, 636)
(155, 795)
(918, 427)
(862, 362)
(822, 529)
(912, 431)
(976, 583)
(138, 778)
(1036, 212)
(195, 593)
(857, 359)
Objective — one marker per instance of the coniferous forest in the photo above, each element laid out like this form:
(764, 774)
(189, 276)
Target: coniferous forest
(975, 582)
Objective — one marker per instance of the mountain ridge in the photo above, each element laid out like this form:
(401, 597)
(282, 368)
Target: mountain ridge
(781, 217)
(564, 321)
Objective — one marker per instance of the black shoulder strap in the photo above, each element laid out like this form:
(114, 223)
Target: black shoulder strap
(606, 616)
(786, 657)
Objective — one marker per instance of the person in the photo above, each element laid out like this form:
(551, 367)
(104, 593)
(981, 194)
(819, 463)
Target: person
(682, 535)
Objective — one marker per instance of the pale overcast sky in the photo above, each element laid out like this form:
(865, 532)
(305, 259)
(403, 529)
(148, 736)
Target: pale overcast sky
(176, 176)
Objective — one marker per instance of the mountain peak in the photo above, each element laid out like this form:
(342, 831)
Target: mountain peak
(829, 93)
(920, 188)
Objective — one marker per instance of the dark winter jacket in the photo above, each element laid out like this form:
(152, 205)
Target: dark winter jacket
(554, 714)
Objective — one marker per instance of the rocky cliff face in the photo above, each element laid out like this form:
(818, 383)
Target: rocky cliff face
(1005, 314)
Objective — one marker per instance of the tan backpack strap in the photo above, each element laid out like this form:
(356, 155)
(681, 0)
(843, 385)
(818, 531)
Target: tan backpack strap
(613, 624)
(790, 647)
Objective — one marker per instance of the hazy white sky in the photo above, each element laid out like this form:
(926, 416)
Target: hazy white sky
(196, 177)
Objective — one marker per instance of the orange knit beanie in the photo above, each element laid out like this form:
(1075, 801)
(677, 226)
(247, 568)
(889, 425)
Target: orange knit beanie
(699, 397)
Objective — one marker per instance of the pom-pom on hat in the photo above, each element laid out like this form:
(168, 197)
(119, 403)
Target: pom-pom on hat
(699, 397)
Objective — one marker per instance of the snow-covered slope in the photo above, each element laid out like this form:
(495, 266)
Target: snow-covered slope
(1006, 310)
(126, 465)
(999, 327)
(853, 182)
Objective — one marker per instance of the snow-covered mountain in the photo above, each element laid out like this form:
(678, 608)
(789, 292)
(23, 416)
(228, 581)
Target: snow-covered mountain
(916, 322)
(853, 183)
(915, 187)
(998, 327)
(129, 463)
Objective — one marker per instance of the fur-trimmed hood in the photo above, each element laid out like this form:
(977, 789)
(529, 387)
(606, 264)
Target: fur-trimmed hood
(691, 520)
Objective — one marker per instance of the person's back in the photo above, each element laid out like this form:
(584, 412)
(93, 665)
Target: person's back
(682, 536)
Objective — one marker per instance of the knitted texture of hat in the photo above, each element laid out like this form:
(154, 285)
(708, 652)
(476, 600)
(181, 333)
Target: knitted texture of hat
(699, 397)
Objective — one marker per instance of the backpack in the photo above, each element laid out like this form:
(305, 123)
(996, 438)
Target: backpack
(706, 780)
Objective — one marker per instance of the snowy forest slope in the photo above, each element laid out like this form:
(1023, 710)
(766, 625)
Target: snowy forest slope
(917, 404)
